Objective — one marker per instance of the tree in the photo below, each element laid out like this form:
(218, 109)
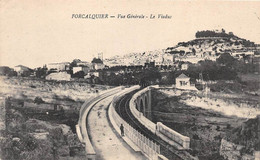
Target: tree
(151, 74)
(226, 59)
(41, 72)
(38, 100)
(169, 79)
(79, 74)
(97, 60)
(7, 71)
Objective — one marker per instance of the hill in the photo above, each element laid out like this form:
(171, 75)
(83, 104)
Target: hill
(206, 45)
(214, 43)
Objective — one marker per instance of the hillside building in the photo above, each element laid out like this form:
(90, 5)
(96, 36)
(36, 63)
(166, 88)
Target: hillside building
(85, 69)
(184, 66)
(83, 63)
(97, 64)
(149, 64)
(23, 70)
(183, 82)
(63, 66)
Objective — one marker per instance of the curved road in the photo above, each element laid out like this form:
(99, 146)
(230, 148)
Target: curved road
(107, 144)
(122, 108)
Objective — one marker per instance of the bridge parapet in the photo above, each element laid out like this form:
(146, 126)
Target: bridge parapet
(167, 134)
(147, 146)
(172, 137)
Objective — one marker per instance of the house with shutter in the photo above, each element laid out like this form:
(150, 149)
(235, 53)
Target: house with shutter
(183, 82)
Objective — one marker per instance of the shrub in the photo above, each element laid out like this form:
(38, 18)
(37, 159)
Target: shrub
(228, 126)
(38, 100)
(218, 128)
(195, 136)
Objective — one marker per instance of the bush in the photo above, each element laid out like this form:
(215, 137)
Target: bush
(43, 151)
(38, 100)
(196, 137)
(218, 128)
(228, 126)
(217, 138)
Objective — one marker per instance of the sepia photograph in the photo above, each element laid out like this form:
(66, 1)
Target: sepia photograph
(129, 80)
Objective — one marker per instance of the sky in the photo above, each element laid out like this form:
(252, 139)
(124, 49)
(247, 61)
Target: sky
(34, 33)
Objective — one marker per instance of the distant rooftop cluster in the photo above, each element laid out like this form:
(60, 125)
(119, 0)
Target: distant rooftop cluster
(208, 45)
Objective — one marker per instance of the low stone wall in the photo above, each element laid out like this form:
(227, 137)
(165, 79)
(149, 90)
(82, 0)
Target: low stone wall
(172, 137)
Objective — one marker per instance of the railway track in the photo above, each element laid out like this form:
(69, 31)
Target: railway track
(122, 108)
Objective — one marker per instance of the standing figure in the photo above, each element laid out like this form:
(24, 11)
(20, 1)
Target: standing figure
(122, 130)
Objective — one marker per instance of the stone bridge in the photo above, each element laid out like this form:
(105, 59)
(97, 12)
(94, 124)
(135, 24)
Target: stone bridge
(143, 102)
(140, 106)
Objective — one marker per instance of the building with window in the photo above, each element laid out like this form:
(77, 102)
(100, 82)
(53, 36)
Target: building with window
(97, 64)
(63, 66)
(183, 82)
(184, 66)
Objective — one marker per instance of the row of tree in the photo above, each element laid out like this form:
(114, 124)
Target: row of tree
(207, 33)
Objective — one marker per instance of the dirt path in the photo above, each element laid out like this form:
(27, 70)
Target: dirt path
(107, 144)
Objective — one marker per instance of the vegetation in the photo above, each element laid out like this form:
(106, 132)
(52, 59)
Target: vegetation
(225, 68)
(150, 75)
(97, 60)
(6, 71)
(38, 100)
(196, 123)
(41, 72)
(79, 74)
(27, 138)
(207, 33)
(246, 135)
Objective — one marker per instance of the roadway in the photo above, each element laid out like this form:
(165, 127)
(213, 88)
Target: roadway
(107, 144)
(122, 108)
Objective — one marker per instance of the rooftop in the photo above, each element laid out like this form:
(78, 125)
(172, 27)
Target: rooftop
(183, 76)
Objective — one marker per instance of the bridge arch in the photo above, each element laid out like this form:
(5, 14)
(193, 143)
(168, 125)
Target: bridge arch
(143, 103)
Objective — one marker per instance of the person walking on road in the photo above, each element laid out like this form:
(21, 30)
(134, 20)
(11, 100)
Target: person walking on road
(122, 130)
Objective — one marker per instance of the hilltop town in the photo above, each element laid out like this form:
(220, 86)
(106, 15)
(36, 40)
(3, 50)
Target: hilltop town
(207, 46)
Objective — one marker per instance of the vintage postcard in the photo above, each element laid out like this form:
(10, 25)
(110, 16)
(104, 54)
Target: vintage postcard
(125, 80)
